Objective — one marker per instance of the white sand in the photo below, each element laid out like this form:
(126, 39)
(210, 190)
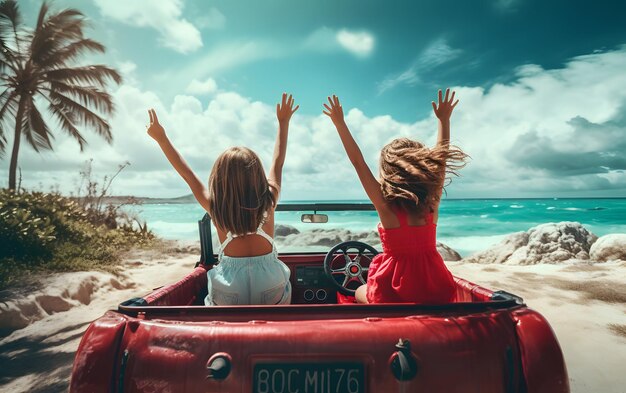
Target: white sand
(595, 356)
(38, 358)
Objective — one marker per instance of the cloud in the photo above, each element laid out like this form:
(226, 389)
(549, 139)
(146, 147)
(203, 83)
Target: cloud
(435, 54)
(549, 132)
(165, 16)
(127, 69)
(197, 87)
(325, 39)
(557, 132)
(590, 149)
(359, 43)
(212, 19)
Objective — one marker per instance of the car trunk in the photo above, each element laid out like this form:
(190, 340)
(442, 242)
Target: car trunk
(169, 342)
(471, 353)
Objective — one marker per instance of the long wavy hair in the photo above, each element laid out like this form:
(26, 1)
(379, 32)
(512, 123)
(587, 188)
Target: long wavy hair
(239, 193)
(411, 174)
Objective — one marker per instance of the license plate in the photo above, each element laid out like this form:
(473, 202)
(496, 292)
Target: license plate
(308, 378)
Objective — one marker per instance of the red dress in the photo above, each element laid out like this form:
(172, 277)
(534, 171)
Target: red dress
(410, 269)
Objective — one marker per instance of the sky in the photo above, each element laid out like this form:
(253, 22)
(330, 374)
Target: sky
(542, 89)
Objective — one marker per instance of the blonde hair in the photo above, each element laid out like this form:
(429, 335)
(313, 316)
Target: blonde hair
(239, 193)
(411, 173)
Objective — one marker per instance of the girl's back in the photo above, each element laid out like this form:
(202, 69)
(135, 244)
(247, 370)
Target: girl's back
(409, 239)
(256, 277)
(410, 269)
(249, 245)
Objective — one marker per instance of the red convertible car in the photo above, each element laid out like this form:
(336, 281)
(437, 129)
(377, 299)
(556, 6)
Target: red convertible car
(168, 341)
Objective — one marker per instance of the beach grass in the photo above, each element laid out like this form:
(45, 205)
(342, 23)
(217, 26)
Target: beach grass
(491, 269)
(603, 290)
(584, 267)
(618, 329)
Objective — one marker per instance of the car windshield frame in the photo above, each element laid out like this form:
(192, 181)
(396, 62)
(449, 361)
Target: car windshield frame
(208, 255)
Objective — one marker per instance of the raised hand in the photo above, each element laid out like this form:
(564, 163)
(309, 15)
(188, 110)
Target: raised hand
(443, 110)
(285, 109)
(334, 111)
(155, 129)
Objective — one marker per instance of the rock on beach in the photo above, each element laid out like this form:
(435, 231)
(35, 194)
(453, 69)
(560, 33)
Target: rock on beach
(550, 243)
(609, 248)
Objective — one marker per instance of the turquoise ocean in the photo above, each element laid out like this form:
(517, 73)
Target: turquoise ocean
(466, 225)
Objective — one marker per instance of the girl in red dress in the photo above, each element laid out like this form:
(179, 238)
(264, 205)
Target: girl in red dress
(407, 199)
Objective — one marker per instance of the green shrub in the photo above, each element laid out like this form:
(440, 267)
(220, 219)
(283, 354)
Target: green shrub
(47, 231)
(33, 224)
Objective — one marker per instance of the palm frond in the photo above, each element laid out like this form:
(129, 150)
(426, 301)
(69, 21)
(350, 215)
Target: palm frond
(3, 65)
(6, 52)
(35, 129)
(7, 106)
(82, 114)
(94, 74)
(9, 62)
(42, 15)
(8, 101)
(86, 95)
(66, 120)
(65, 25)
(66, 54)
(10, 12)
(65, 16)
(52, 37)
(11, 33)
(8, 57)
(3, 141)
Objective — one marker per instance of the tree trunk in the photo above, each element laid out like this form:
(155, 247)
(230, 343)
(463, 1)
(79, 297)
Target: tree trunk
(16, 145)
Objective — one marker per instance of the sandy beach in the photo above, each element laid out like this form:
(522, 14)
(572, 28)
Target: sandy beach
(583, 302)
(39, 357)
(568, 295)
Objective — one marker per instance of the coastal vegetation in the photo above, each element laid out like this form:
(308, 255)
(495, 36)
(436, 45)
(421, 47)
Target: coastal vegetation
(43, 232)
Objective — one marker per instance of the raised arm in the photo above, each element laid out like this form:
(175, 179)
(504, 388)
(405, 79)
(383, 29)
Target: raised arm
(443, 110)
(157, 132)
(372, 187)
(284, 110)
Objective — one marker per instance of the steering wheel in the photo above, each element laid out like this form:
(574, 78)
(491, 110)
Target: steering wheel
(345, 272)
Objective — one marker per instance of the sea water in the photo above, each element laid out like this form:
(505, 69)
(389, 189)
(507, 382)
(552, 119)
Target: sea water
(466, 225)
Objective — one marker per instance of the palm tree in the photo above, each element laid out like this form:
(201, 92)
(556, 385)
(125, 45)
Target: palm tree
(38, 67)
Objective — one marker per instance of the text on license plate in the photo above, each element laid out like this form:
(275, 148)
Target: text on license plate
(308, 378)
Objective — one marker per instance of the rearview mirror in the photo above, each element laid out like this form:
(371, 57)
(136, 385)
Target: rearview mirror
(314, 218)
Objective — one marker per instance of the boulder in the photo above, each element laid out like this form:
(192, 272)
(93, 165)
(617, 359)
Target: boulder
(546, 243)
(609, 248)
(501, 252)
(284, 230)
(447, 253)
